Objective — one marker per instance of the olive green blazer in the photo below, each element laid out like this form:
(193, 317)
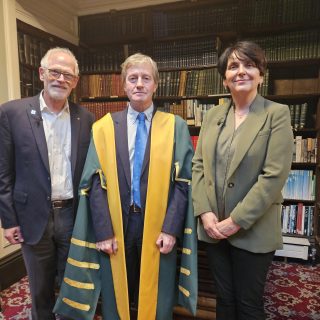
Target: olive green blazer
(256, 176)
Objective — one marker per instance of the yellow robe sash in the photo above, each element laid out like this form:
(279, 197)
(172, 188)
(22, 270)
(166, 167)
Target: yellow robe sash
(161, 155)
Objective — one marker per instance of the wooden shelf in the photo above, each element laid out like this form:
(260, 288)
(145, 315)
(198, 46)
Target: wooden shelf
(295, 201)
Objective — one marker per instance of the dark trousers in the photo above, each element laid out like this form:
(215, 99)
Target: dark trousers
(133, 248)
(46, 260)
(239, 277)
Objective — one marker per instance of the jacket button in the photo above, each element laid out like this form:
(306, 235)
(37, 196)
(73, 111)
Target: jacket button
(230, 184)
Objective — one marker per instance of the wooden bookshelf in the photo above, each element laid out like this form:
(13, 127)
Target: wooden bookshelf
(32, 46)
(186, 40)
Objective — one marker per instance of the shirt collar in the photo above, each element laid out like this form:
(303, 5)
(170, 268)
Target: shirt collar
(132, 114)
(44, 107)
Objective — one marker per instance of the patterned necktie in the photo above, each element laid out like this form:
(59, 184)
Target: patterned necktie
(139, 149)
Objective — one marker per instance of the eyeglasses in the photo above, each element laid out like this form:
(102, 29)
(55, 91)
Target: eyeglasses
(56, 74)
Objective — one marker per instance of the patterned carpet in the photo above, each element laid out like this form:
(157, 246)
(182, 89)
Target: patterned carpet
(292, 293)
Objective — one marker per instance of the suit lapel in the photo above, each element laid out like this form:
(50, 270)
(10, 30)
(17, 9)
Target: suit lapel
(75, 132)
(212, 134)
(254, 122)
(36, 122)
(121, 134)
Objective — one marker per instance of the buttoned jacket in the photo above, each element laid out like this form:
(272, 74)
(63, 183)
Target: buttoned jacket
(256, 176)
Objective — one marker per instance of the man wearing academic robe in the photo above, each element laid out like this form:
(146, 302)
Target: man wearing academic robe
(128, 250)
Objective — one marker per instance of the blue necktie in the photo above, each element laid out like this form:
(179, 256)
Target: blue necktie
(139, 149)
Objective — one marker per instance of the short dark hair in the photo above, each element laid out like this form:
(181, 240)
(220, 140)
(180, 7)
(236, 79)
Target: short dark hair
(243, 50)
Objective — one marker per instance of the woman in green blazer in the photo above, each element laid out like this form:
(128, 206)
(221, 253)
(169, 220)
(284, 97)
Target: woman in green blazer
(242, 161)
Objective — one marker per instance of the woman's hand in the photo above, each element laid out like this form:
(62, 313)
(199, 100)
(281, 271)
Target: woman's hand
(227, 227)
(109, 246)
(209, 221)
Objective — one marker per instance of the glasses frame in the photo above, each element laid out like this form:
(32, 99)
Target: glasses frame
(56, 74)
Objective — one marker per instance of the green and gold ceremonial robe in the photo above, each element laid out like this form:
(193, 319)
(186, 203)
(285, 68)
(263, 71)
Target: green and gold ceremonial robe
(163, 283)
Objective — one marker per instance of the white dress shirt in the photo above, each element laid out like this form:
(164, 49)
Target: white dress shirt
(57, 128)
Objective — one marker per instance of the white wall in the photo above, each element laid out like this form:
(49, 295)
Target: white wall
(9, 63)
(9, 82)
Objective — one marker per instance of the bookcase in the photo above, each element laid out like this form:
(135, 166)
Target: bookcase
(185, 39)
(32, 46)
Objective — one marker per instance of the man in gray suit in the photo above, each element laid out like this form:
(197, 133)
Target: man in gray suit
(43, 145)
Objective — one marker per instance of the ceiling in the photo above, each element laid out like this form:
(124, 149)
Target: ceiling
(84, 7)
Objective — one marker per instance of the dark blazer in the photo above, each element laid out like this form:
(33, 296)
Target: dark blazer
(99, 207)
(25, 182)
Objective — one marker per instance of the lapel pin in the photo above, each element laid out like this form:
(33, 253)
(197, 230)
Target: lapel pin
(33, 112)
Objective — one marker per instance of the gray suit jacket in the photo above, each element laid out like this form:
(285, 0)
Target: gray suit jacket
(256, 176)
(25, 182)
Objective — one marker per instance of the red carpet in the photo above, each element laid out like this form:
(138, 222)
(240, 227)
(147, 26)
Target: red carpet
(16, 302)
(292, 293)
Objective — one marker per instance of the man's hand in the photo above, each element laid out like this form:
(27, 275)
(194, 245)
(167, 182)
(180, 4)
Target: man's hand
(165, 242)
(13, 235)
(209, 221)
(227, 227)
(109, 246)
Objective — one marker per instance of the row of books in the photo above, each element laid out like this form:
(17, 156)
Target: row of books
(101, 60)
(195, 82)
(185, 83)
(264, 88)
(298, 114)
(291, 45)
(111, 26)
(186, 53)
(280, 12)
(297, 219)
(31, 49)
(176, 108)
(305, 150)
(101, 85)
(99, 109)
(196, 110)
(300, 185)
(228, 17)
(196, 20)
(30, 84)
(206, 19)
(190, 83)
(168, 54)
(191, 110)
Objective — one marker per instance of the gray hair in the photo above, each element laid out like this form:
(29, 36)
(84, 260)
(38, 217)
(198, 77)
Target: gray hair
(45, 60)
(137, 59)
